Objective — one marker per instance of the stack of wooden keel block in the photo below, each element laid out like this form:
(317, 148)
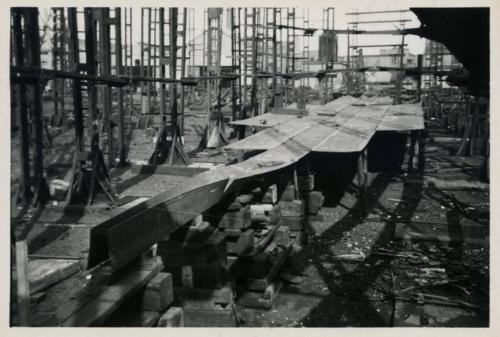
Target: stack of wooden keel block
(258, 246)
(234, 252)
(197, 258)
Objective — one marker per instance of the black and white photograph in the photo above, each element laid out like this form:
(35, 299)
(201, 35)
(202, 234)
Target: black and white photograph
(275, 165)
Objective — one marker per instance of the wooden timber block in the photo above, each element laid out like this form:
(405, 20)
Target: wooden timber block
(192, 234)
(244, 198)
(315, 218)
(263, 212)
(231, 260)
(271, 195)
(130, 317)
(295, 223)
(42, 273)
(234, 206)
(243, 244)
(172, 318)
(298, 237)
(187, 276)
(305, 183)
(256, 191)
(207, 261)
(314, 201)
(295, 208)
(158, 293)
(210, 276)
(232, 232)
(259, 285)
(199, 233)
(265, 264)
(288, 193)
(58, 189)
(150, 132)
(211, 251)
(209, 318)
(206, 299)
(251, 266)
(260, 300)
(239, 219)
(282, 236)
(146, 319)
(197, 221)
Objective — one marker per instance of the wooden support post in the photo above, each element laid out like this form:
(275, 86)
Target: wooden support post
(143, 111)
(33, 52)
(149, 68)
(469, 123)
(23, 291)
(105, 70)
(348, 66)
(422, 137)
(419, 78)
(400, 78)
(119, 71)
(172, 90)
(253, 91)
(91, 65)
(183, 70)
(21, 100)
(163, 115)
(362, 179)
(74, 63)
(275, 58)
(411, 153)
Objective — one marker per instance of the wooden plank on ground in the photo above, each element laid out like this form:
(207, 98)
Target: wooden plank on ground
(45, 272)
(453, 233)
(185, 171)
(23, 289)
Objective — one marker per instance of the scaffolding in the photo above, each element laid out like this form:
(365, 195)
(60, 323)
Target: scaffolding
(26, 52)
(214, 133)
(59, 62)
(357, 84)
